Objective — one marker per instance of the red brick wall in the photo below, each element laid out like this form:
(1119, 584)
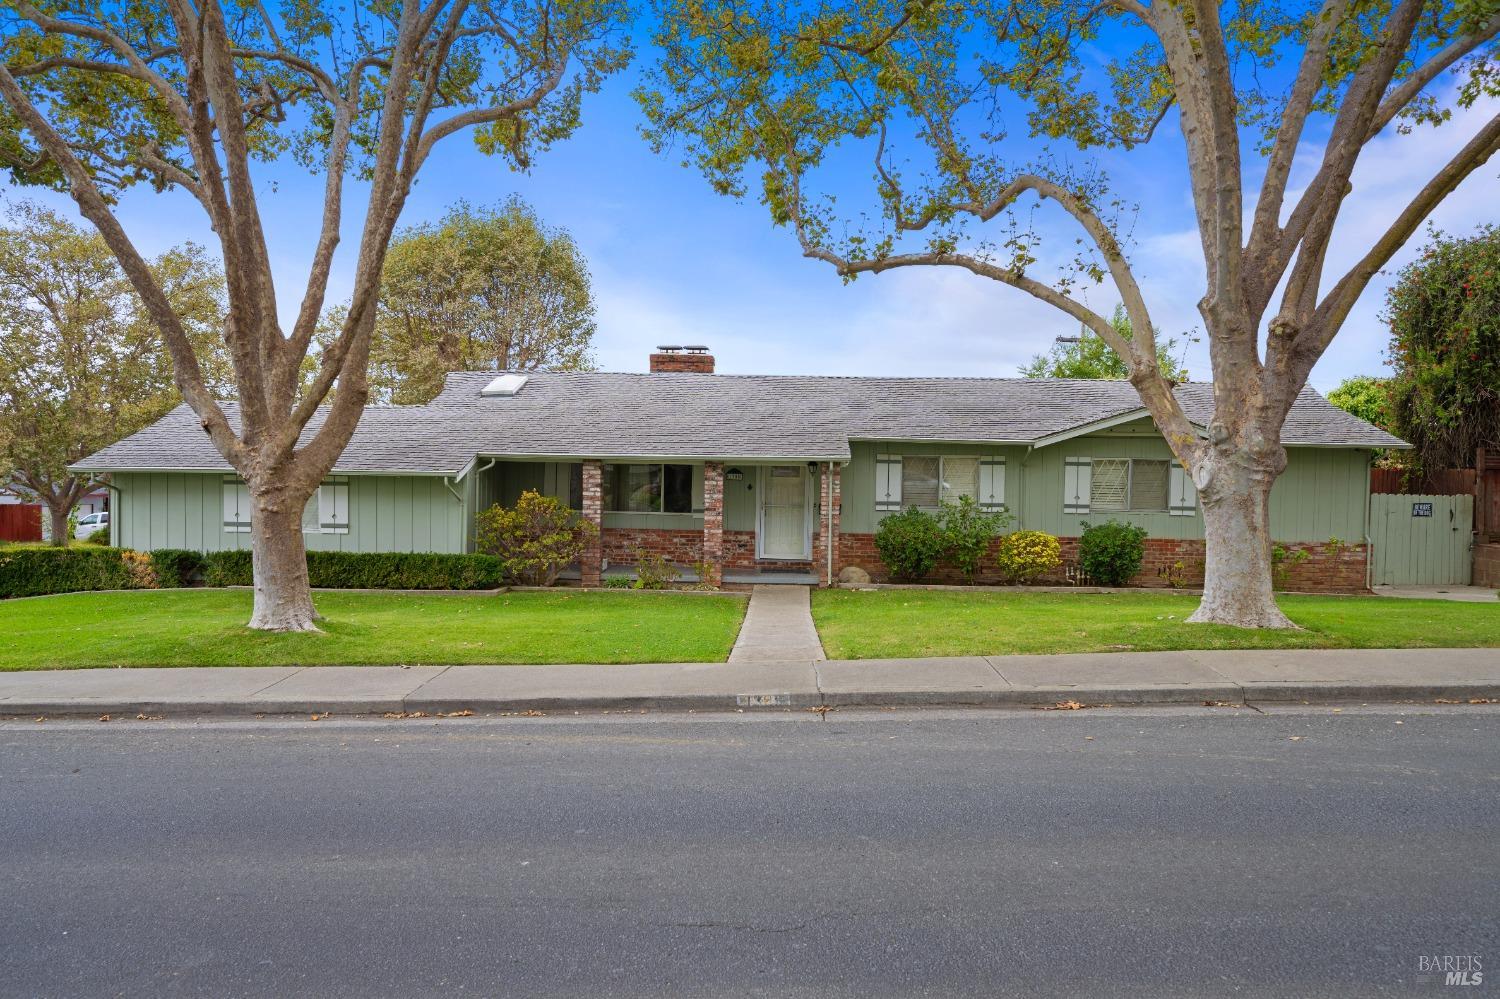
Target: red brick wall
(681, 548)
(700, 363)
(713, 521)
(1324, 570)
(1487, 565)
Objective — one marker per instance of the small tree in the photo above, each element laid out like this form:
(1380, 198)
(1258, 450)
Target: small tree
(1366, 397)
(968, 532)
(81, 365)
(96, 98)
(1088, 356)
(483, 288)
(536, 539)
(1444, 314)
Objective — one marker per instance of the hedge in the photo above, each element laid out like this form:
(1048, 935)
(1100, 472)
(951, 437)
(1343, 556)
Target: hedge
(176, 567)
(371, 570)
(33, 572)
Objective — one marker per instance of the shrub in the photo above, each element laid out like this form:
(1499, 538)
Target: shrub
(910, 543)
(371, 570)
(968, 532)
(99, 537)
(227, 568)
(1111, 552)
(535, 539)
(35, 571)
(176, 567)
(654, 572)
(1026, 555)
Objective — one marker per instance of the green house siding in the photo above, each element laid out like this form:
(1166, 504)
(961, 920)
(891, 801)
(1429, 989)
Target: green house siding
(386, 513)
(1324, 492)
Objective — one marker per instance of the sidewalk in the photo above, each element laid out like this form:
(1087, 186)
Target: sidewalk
(1098, 678)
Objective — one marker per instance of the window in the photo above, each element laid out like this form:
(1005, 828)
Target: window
(1118, 485)
(648, 488)
(924, 481)
(236, 507)
(575, 486)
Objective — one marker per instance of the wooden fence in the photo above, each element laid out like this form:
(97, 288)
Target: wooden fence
(1481, 482)
(20, 522)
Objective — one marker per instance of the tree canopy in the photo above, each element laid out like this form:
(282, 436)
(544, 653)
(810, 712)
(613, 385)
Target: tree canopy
(81, 362)
(482, 288)
(975, 120)
(1088, 356)
(96, 99)
(1367, 397)
(1444, 315)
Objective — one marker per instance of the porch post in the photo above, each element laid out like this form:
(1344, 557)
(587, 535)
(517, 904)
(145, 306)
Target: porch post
(713, 521)
(591, 562)
(826, 537)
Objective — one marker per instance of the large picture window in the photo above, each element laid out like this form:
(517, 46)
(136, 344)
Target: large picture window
(648, 488)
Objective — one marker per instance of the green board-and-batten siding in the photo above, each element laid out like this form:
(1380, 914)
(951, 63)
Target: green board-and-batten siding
(1323, 494)
(403, 513)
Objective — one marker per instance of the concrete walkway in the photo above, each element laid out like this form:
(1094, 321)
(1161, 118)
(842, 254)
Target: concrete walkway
(778, 627)
(1099, 678)
(1463, 594)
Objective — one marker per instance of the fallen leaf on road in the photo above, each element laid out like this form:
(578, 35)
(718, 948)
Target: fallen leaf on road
(104, 717)
(1295, 738)
(821, 709)
(148, 717)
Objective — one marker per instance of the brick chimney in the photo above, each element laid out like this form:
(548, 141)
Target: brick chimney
(674, 358)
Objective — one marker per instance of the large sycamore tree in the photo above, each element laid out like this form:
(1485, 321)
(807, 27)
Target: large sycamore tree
(81, 362)
(971, 115)
(96, 98)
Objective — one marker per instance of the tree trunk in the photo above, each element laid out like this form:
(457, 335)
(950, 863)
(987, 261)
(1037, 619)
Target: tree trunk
(1236, 506)
(283, 597)
(58, 517)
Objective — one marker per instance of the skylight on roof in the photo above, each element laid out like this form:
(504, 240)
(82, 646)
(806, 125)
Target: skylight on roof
(505, 385)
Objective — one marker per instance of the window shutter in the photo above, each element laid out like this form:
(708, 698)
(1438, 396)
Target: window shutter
(992, 483)
(888, 482)
(1078, 476)
(333, 507)
(236, 507)
(1182, 499)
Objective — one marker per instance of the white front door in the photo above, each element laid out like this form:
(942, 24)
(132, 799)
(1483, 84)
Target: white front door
(783, 512)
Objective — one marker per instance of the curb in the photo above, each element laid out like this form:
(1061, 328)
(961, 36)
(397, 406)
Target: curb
(1029, 697)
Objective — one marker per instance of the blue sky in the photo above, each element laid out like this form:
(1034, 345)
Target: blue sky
(674, 263)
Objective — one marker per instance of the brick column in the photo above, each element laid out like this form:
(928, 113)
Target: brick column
(591, 562)
(713, 521)
(829, 497)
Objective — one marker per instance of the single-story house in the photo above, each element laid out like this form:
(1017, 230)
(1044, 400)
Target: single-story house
(781, 477)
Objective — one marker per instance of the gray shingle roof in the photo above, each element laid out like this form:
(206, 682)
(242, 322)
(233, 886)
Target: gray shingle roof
(606, 415)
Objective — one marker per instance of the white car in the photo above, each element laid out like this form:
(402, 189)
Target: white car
(89, 523)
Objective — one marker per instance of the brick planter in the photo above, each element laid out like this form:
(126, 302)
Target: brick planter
(1167, 561)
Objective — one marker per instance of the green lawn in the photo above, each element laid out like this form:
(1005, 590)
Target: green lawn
(905, 623)
(206, 628)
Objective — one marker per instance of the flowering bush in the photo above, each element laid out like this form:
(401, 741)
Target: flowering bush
(1444, 315)
(1025, 555)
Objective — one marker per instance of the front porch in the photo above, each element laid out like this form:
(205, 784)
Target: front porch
(741, 523)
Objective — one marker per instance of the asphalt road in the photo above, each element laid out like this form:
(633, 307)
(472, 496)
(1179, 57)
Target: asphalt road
(1214, 852)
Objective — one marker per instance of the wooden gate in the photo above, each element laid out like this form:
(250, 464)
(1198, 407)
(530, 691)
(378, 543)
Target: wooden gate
(1421, 540)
